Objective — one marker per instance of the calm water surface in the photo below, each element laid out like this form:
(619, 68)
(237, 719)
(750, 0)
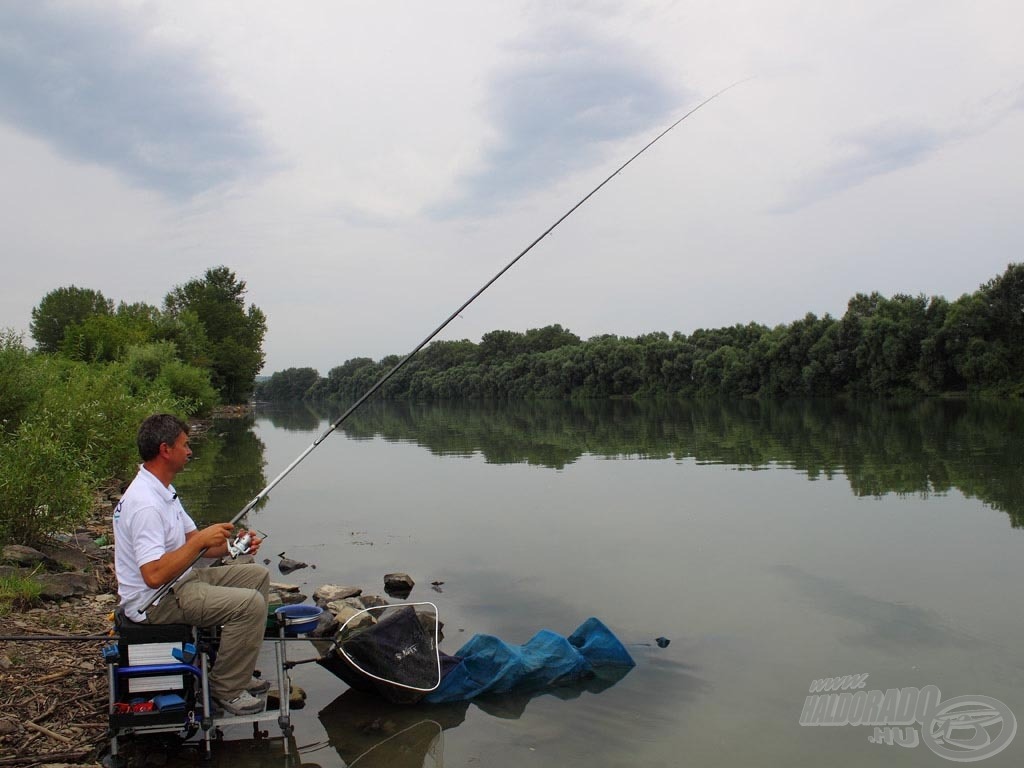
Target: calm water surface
(773, 544)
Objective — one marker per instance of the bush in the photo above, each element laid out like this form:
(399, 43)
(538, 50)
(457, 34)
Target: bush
(190, 385)
(18, 387)
(145, 360)
(44, 488)
(94, 413)
(80, 433)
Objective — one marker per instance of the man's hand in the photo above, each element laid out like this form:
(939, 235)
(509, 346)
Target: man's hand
(254, 546)
(214, 536)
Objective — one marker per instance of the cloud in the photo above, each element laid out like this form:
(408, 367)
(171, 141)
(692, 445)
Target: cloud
(889, 147)
(553, 109)
(874, 152)
(99, 89)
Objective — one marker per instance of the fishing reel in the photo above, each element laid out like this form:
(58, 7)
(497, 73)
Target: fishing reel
(240, 545)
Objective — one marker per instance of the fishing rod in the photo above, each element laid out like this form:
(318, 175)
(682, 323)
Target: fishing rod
(242, 546)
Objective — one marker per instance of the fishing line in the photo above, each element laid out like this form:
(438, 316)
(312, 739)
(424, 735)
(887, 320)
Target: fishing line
(401, 364)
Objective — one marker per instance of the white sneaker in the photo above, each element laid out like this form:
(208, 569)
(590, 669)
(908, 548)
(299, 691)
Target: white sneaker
(258, 685)
(243, 704)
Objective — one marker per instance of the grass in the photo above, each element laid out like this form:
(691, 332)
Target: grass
(18, 593)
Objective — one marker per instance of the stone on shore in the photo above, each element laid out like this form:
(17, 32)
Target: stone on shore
(58, 586)
(287, 598)
(326, 626)
(19, 554)
(328, 593)
(349, 610)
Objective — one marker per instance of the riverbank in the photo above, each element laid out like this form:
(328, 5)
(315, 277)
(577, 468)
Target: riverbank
(53, 694)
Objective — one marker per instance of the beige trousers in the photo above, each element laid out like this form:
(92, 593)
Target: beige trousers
(233, 597)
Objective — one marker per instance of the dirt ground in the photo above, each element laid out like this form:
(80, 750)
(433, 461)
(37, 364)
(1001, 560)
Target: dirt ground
(53, 695)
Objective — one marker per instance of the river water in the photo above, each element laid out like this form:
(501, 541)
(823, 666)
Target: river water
(773, 544)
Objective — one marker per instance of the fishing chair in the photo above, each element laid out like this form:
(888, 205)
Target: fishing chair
(158, 680)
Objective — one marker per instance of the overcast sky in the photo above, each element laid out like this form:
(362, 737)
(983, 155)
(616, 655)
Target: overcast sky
(365, 167)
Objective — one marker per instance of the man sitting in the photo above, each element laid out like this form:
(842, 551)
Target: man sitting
(156, 541)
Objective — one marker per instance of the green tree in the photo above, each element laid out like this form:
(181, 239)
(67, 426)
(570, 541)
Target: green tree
(234, 332)
(62, 308)
(104, 338)
(288, 385)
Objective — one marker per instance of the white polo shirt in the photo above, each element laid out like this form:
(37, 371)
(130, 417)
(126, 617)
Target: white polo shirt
(149, 521)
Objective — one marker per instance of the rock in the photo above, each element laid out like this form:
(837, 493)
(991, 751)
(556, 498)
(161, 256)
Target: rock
(398, 584)
(58, 586)
(287, 565)
(291, 598)
(276, 585)
(662, 642)
(6, 571)
(69, 556)
(296, 697)
(84, 542)
(428, 620)
(373, 601)
(326, 625)
(331, 592)
(5, 661)
(343, 612)
(19, 554)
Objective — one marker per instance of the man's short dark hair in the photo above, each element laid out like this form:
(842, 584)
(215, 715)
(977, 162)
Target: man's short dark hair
(157, 430)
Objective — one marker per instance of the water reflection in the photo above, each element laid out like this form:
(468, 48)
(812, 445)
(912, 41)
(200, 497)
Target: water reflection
(296, 416)
(921, 448)
(225, 472)
(368, 731)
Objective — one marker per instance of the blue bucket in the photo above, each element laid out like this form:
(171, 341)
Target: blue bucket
(298, 619)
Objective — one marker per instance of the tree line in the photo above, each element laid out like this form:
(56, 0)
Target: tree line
(882, 346)
(204, 326)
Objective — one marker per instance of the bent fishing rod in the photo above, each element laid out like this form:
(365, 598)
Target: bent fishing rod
(430, 337)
